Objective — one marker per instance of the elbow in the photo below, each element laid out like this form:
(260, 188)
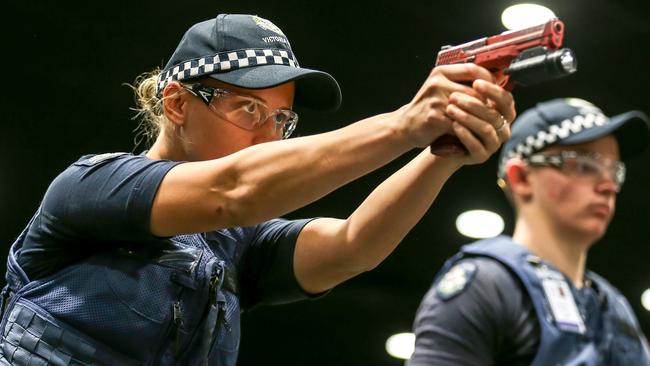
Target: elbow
(367, 265)
(364, 260)
(366, 252)
(374, 246)
(236, 207)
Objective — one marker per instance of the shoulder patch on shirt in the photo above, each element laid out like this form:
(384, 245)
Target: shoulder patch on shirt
(456, 280)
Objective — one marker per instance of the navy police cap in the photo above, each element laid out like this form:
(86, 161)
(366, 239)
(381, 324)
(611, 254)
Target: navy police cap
(249, 52)
(569, 121)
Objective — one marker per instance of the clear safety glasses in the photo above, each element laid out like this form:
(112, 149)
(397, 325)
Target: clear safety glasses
(581, 164)
(244, 111)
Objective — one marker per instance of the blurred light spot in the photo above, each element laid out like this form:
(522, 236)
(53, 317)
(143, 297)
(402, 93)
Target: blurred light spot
(525, 15)
(401, 345)
(479, 224)
(645, 299)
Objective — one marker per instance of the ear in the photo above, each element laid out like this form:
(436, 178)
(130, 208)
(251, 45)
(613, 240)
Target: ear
(173, 103)
(517, 176)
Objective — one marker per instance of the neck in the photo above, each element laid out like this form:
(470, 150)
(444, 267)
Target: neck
(568, 254)
(163, 149)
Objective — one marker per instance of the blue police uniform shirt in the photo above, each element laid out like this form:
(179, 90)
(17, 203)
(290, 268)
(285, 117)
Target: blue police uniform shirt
(88, 266)
(484, 310)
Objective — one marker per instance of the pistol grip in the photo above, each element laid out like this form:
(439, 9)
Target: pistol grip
(446, 145)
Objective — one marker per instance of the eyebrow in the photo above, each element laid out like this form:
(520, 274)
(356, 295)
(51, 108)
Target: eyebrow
(246, 95)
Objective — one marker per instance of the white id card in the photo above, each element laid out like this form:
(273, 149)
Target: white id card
(563, 306)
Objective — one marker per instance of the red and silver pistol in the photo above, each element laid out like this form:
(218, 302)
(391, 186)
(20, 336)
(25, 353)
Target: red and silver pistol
(520, 57)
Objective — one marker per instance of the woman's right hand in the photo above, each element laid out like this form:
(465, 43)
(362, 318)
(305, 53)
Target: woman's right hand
(426, 117)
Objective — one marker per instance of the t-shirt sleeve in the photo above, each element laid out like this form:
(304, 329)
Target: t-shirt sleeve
(106, 197)
(267, 273)
(99, 200)
(477, 323)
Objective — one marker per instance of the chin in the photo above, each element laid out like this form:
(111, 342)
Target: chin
(595, 230)
(585, 230)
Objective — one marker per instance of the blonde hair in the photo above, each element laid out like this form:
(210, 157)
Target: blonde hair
(148, 108)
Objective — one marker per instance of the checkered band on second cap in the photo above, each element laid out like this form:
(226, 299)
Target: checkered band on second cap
(225, 61)
(553, 134)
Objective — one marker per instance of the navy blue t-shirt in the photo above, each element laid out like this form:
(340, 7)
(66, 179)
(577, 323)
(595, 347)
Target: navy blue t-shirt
(103, 202)
(491, 321)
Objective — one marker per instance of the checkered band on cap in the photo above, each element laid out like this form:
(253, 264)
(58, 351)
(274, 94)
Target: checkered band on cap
(555, 133)
(225, 61)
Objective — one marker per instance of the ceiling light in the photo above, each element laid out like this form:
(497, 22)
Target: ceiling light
(401, 345)
(525, 15)
(479, 224)
(645, 299)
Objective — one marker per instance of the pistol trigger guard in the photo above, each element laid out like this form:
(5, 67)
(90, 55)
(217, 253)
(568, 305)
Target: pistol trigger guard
(503, 80)
(507, 84)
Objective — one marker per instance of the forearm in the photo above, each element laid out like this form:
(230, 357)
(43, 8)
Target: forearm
(379, 224)
(330, 251)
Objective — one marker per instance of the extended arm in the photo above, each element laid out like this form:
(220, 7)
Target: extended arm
(330, 251)
(272, 179)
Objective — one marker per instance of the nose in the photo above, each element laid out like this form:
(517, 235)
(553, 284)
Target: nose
(607, 184)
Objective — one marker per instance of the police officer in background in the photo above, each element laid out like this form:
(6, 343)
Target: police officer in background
(149, 259)
(528, 299)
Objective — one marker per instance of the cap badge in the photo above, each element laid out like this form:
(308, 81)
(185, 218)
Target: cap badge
(267, 25)
(583, 106)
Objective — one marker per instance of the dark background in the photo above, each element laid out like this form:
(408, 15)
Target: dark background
(63, 69)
